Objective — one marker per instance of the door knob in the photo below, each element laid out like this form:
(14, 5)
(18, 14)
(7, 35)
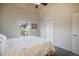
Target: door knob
(74, 35)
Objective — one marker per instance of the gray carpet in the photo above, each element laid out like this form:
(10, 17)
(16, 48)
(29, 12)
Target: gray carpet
(63, 52)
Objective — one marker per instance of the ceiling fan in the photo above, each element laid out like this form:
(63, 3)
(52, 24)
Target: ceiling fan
(36, 5)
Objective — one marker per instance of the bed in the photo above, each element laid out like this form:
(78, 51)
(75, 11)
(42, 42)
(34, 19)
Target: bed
(28, 46)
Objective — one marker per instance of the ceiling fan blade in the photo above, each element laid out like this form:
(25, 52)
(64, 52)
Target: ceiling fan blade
(36, 6)
(45, 4)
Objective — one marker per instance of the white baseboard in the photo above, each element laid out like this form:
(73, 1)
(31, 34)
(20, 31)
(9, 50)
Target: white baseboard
(63, 48)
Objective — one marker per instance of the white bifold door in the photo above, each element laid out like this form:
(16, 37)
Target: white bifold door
(47, 29)
(50, 30)
(75, 33)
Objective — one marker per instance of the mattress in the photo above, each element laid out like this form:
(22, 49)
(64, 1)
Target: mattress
(28, 46)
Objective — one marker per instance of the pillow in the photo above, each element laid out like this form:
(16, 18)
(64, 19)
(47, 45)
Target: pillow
(3, 37)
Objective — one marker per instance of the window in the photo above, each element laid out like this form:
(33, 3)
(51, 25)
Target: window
(24, 29)
(24, 26)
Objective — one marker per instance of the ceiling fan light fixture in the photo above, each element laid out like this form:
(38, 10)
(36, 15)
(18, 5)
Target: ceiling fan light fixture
(37, 4)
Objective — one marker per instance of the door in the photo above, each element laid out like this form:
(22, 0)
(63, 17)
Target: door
(75, 33)
(42, 29)
(50, 30)
(46, 29)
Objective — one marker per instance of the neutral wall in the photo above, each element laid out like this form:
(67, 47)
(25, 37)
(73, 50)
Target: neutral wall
(62, 14)
(10, 14)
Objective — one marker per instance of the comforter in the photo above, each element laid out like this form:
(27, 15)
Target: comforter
(28, 46)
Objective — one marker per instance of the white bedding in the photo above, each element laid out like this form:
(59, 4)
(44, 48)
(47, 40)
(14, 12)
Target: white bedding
(28, 46)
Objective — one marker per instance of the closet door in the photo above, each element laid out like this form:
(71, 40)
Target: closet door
(42, 29)
(46, 29)
(50, 30)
